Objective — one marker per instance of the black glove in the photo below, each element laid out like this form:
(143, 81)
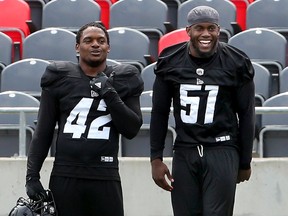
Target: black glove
(35, 190)
(101, 84)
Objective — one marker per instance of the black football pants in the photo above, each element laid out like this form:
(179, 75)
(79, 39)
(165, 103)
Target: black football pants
(85, 197)
(204, 181)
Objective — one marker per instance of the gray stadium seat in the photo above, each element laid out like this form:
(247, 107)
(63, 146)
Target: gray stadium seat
(226, 9)
(129, 45)
(69, 14)
(9, 123)
(149, 17)
(264, 46)
(263, 81)
(139, 146)
(283, 80)
(268, 14)
(24, 75)
(51, 44)
(274, 134)
(148, 76)
(6, 45)
(172, 11)
(36, 10)
(112, 62)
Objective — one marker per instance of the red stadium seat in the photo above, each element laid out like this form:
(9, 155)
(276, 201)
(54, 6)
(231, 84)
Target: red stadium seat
(241, 7)
(171, 38)
(13, 20)
(105, 11)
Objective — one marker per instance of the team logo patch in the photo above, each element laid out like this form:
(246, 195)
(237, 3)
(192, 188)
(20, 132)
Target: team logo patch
(94, 94)
(98, 84)
(199, 81)
(200, 71)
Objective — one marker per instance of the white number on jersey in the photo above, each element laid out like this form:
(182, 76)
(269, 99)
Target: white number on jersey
(191, 102)
(75, 123)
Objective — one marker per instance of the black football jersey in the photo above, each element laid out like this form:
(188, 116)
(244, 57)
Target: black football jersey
(88, 137)
(208, 98)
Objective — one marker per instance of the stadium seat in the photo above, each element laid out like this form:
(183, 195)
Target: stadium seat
(139, 146)
(268, 14)
(241, 10)
(226, 9)
(173, 37)
(6, 45)
(148, 76)
(24, 75)
(264, 46)
(149, 17)
(129, 45)
(172, 11)
(14, 20)
(263, 81)
(146, 102)
(2, 66)
(70, 15)
(51, 44)
(283, 80)
(112, 62)
(10, 123)
(36, 10)
(274, 134)
(105, 12)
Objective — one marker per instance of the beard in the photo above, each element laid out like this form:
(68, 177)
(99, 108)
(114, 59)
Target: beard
(94, 63)
(201, 54)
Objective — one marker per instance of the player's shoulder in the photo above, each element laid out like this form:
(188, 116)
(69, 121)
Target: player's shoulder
(127, 79)
(170, 57)
(238, 59)
(59, 69)
(172, 50)
(127, 70)
(233, 52)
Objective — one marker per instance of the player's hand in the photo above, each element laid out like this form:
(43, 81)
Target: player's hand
(243, 175)
(35, 190)
(101, 84)
(159, 173)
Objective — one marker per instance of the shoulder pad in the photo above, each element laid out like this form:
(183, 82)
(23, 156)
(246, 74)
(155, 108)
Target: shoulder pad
(240, 59)
(127, 80)
(172, 49)
(58, 69)
(167, 54)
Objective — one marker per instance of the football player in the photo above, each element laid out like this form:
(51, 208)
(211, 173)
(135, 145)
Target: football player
(211, 86)
(91, 104)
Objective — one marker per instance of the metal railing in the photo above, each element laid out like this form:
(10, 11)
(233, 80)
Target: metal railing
(22, 111)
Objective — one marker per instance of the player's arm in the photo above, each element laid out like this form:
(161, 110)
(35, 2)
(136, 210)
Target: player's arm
(126, 115)
(246, 115)
(159, 117)
(121, 92)
(40, 144)
(158, 130)
(43, 135)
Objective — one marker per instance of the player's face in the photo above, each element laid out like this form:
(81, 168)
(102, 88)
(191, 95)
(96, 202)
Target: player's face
(93, 47)
(204, 38)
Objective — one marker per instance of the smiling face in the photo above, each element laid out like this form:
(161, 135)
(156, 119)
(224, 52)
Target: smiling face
(93, 47)
(203, 39)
